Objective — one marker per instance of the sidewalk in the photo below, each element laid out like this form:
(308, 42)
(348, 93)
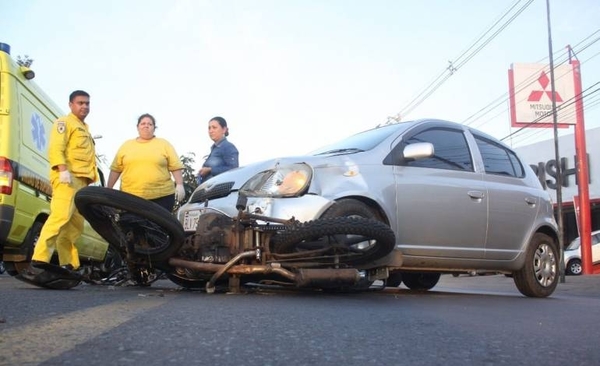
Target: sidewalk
(584, 285)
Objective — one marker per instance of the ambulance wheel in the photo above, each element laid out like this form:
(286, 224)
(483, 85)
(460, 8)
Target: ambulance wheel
(13, 268)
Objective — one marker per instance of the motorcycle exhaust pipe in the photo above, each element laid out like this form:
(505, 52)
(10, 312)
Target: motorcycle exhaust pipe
(327, 277)
(304, 277)
(196, 266)
(231, 268)
(239, 269)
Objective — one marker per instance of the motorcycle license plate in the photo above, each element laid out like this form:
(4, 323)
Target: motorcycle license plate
(190, 220)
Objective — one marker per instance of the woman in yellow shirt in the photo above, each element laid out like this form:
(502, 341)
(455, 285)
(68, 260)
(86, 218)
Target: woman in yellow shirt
(145, 165)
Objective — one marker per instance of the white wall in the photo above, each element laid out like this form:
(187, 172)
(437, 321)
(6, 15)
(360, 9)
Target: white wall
(543, 152)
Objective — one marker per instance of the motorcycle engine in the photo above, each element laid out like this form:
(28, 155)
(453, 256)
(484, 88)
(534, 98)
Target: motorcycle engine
(212, 240)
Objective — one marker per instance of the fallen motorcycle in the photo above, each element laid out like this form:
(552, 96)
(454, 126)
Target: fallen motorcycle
(227, 253)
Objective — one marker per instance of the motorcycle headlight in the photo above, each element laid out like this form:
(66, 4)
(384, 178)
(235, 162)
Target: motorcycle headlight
(281, 181)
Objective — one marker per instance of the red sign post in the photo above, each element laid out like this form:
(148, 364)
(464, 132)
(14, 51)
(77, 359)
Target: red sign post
(585, 234)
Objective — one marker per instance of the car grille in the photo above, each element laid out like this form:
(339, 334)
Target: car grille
(212, 192)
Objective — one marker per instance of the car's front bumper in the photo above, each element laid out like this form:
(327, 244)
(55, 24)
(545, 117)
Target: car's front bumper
(304, 208)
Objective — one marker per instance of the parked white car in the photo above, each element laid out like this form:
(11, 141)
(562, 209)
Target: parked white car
(573, 254)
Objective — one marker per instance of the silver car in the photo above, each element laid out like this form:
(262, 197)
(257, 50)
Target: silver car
(572, 254)
(457, 200)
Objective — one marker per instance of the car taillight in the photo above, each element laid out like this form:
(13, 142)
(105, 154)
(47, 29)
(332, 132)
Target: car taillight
(6, 176)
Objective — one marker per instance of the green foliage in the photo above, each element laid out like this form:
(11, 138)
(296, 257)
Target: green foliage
(189, 174)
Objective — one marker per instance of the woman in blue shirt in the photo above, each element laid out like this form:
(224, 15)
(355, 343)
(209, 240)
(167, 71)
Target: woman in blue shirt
(223, 154)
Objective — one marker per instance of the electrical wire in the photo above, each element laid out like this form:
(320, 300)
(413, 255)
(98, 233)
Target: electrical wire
(571, 101)
(468, 54)
(528, 134)
(500, 101)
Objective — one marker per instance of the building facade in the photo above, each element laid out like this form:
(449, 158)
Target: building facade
(541, 157)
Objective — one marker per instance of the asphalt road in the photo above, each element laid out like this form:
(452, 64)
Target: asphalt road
(481, 320)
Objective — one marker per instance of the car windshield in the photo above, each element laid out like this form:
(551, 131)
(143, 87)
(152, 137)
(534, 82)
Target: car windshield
(362, 141)
(573, 245)
(576, 243)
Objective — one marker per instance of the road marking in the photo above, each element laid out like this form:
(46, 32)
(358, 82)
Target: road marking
(42, 340)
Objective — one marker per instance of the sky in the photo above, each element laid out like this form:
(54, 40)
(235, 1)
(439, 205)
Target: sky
(290, 76)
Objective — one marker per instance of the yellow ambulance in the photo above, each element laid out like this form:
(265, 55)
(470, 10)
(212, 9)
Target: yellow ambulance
(26, 117)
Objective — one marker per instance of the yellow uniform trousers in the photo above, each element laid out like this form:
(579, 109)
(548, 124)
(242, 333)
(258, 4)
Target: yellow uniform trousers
(64, 225)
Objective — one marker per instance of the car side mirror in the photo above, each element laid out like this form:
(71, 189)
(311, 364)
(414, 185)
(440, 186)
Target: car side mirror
(419, 150)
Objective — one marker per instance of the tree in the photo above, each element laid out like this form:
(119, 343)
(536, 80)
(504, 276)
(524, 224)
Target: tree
(189, 175)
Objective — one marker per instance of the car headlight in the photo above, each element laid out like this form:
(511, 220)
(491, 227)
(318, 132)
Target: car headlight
(281, 181)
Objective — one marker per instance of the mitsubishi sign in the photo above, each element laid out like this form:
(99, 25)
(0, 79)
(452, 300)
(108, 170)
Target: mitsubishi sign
(531, 95)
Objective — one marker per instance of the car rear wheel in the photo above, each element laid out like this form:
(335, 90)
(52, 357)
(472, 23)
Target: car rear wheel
(574, 267)
(539, 275)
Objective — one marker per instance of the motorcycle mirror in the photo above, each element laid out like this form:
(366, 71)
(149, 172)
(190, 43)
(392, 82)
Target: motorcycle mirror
(242, 201)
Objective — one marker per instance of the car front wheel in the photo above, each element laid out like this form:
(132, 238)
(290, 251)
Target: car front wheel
(420, 281)
(539, 275)
(574, 267)
(394, 279)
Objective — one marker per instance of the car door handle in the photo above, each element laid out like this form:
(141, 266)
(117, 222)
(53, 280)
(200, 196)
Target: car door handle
(530, 200)
(476, 194)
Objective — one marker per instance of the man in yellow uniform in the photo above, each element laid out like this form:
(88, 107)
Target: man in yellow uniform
(72, 157)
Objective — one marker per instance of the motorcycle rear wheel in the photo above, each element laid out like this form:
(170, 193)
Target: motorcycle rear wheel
(354, 240)
(112, 213)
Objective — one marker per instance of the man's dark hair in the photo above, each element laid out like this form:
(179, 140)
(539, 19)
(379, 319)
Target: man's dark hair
(77, 93)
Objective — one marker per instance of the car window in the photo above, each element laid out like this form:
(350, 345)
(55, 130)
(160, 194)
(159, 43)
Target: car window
(499, 160)
(576, 243)
(451, 150)
(573, 245)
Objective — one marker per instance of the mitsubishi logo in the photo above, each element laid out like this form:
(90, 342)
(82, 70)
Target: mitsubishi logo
(536, 95)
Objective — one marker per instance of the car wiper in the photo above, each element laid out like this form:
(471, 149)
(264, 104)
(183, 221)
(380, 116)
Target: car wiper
(349, 150)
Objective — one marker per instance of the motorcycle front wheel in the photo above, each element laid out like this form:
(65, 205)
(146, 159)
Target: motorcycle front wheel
(123, 219)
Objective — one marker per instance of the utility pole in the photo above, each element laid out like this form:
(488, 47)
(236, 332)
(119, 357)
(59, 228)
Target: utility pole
(559, 213)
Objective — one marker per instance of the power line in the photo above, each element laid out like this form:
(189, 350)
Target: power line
(512, 18)
(499, 101)
(468, 54)
(503, 98)
(564, 105)
(590, 102)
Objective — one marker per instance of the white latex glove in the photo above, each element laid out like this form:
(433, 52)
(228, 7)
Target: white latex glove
(179, 193)
(64, 177)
